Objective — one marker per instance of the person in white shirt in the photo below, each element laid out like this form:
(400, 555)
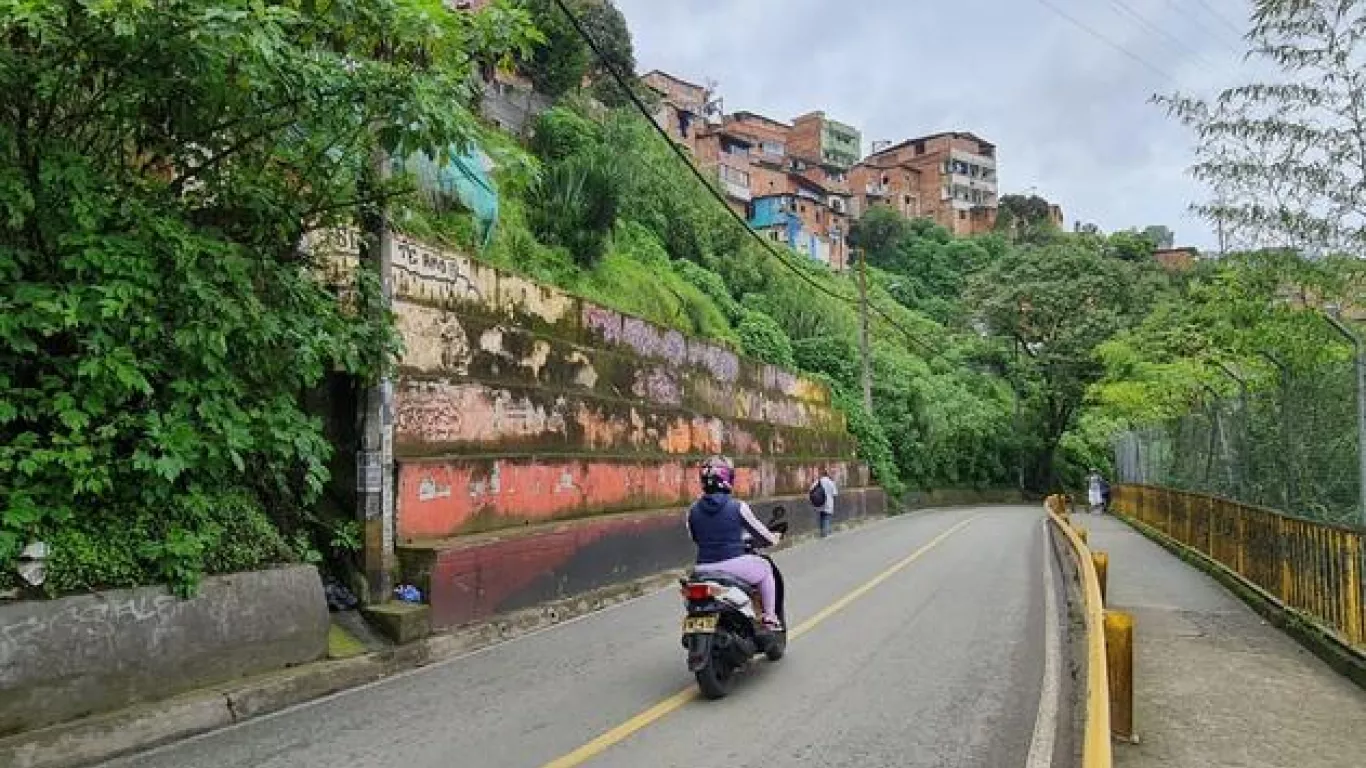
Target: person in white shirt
(826, 508)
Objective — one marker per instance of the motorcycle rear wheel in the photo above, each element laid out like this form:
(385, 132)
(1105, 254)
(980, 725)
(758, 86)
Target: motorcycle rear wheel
(716, 679)
(778, 648)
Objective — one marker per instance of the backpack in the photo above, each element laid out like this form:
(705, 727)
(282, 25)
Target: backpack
(817, 495)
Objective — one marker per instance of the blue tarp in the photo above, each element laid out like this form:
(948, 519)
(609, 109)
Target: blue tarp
(465, 177)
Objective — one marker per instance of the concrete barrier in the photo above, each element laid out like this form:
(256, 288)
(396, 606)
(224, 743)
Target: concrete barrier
(1096, 749)
(76, 656)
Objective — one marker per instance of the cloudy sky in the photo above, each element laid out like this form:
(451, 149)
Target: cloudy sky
(1068, 112)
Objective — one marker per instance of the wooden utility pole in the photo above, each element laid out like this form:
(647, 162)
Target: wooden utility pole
(863, 332)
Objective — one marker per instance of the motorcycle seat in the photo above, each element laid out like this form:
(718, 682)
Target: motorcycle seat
(723, 579)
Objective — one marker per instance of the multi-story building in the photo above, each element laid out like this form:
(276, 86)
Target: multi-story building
(727, 154)
(682, 108)
(948, 177)
(827, 141)
(791, 180)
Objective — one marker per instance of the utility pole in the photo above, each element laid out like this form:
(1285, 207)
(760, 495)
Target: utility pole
(375, 457)
(1360, 361)
(1019, 445)
(863, 331)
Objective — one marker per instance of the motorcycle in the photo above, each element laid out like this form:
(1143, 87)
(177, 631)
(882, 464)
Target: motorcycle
(723, 627)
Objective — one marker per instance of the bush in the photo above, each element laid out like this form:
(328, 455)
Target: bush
(762, 339)
(108, 552)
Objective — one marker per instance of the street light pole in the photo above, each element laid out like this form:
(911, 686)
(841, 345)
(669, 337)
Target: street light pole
(1360, 361)
(863, 332)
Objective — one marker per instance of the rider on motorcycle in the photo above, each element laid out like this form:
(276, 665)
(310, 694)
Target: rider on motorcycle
(719, 525)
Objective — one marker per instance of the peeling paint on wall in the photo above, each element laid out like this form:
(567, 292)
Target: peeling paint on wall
(433, 339)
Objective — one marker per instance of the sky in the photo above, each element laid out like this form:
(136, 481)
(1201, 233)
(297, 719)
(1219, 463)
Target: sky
(1069, 113)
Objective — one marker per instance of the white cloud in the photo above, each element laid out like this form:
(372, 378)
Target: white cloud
(1070, 114)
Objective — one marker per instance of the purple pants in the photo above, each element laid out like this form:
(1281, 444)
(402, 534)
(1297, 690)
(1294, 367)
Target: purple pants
(750, 569)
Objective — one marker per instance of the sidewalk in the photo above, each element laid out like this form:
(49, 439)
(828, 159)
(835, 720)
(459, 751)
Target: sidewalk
(1214, 684)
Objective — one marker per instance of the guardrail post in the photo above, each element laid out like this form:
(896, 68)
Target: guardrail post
(1102, 562)
(1119, 664)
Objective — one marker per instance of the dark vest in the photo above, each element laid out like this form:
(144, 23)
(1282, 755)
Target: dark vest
(717, 528)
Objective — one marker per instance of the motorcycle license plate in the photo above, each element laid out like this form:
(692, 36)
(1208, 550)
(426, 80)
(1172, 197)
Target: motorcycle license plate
(695, 625)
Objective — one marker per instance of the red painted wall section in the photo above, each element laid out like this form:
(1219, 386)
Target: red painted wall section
(448, 498)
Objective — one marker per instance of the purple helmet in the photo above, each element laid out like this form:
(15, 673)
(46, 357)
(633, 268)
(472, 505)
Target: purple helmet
(718, 475)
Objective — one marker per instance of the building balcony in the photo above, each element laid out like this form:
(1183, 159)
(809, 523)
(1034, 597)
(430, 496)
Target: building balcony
(968, 182)
(736, 191)
(972, 159)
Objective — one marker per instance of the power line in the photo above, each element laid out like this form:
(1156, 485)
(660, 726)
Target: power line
(1221, 18)
(697, 173)
(1178, 44)
(1093, 33)
(1235, 43)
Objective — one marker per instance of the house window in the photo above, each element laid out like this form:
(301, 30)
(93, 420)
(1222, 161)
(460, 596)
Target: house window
(906, 199)
(962, 215)
(919, 148)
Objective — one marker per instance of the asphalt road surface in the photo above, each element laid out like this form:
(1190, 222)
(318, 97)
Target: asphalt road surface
(921, 643)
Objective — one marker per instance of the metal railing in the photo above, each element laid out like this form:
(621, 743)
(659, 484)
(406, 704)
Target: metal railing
(1312, 567)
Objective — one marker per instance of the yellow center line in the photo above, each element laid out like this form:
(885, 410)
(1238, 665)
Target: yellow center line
(623, 731)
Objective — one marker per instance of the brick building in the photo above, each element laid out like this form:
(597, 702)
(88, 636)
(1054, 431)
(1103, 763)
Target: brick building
(799, 196)
(682, 108)
(726, 155)
(826, 141)
(948, 177)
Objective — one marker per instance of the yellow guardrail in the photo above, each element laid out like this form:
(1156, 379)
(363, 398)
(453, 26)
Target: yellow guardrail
(1096, 737)
(1315, 568)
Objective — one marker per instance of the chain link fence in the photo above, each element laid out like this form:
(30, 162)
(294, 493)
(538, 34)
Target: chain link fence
(1290, 447)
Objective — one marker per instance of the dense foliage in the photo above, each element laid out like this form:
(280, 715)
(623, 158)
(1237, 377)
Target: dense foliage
(159, 325)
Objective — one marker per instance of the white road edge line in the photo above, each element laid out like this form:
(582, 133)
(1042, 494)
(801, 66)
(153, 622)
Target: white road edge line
(1046, 723)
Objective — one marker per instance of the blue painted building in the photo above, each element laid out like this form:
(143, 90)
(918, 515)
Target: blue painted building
(777, 217)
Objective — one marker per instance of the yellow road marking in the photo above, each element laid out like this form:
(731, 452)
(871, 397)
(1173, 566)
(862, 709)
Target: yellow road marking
(623, 731)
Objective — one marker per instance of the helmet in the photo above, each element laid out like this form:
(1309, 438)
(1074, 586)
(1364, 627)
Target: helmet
(718, 475)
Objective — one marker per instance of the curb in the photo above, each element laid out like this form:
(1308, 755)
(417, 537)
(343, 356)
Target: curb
(1336, 653)
(116, 734)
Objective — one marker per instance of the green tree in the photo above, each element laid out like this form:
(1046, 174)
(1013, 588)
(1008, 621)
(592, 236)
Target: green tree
(1025, 219)
(561, 60)
(1285, 157)
(1130, 246)
(160, 165)
(1059, 303)
(605, 24)
(1161, 236)
(878, 232)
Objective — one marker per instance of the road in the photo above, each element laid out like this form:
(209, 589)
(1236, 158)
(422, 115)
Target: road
(922, 643)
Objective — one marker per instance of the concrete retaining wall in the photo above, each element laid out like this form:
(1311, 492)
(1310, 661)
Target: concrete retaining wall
(533, 429)
(66, 658)
(486, 575)
(517, 402)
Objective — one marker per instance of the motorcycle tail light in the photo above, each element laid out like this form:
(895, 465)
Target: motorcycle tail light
(697, 591)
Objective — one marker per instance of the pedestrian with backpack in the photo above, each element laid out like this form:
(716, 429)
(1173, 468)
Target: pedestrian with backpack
(822, 496)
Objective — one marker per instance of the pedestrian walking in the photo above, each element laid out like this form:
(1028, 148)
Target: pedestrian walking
(822, 496)
(1095, 494)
